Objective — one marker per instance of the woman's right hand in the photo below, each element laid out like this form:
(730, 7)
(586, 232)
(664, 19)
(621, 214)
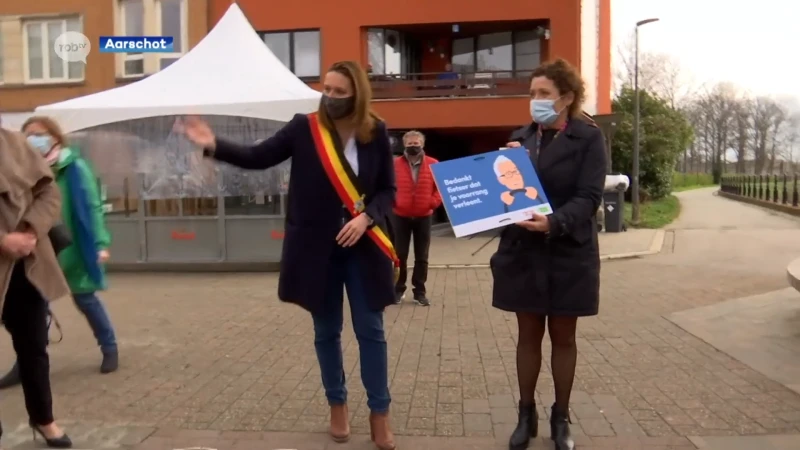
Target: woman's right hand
(513, 144)
(18, 245)
(197, 131)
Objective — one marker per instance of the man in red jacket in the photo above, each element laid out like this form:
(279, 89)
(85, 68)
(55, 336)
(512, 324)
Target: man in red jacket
(417, 199)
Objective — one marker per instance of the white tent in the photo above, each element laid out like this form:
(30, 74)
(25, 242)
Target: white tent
(231, 72)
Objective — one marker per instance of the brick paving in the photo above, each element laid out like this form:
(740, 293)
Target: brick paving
(215, 360)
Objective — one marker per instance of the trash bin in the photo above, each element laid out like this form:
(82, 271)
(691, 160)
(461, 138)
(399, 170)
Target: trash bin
(613, 207)
(614, 202)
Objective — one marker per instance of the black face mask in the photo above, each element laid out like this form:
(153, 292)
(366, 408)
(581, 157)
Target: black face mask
(413, 150)
(338, 108)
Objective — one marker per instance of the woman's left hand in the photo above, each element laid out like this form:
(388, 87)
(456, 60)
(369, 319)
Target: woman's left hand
(537, 222)
(352, 231)
(103, 256)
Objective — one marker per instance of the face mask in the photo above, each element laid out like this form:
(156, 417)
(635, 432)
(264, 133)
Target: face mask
(338, 108)
(413, 150)
(543, 111)
(41, 143)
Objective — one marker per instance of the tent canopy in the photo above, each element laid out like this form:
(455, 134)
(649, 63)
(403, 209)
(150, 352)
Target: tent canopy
(231, 72)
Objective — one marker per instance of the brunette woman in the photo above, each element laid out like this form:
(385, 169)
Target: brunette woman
(341, 192)
(547, 269)
(29, 207)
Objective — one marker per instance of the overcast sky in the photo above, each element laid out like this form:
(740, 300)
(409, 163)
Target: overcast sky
(754, 44)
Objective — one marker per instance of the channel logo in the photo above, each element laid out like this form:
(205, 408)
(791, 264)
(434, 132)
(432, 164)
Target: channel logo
(136, 44)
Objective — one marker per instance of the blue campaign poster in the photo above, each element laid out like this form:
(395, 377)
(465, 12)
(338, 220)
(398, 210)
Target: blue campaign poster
(490, 190)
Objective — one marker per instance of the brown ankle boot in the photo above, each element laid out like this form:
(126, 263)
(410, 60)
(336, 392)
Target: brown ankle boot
(340, 423)
(381, 431)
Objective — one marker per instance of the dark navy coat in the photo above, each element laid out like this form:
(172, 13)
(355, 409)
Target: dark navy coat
(314, 211)
(557, 274)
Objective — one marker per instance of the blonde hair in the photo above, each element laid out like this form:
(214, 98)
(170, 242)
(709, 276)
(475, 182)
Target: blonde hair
(414, 134)
(364, 118)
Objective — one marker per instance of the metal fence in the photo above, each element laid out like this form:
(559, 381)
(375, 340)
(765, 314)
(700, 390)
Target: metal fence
(782, 189)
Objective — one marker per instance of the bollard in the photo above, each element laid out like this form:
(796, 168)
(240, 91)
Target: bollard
(746, 185)
(760, 188)
(794, 191)
(774, 189)
(785, 191)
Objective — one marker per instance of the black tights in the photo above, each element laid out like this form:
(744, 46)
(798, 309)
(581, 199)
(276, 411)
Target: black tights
(529, 356)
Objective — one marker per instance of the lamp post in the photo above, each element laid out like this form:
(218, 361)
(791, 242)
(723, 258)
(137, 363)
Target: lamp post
(635, 181)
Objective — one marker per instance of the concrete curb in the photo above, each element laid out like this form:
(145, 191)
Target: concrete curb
(793, 274)
(655, 248)
(779, 207)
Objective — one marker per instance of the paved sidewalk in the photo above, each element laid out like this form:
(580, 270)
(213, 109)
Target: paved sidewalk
(446, 252)
(214, 360)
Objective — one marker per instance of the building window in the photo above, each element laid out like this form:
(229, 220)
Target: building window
(132, 21)
(494, 52)
(463, 59)
(518, 51)
(172, 17)
(299, 51)
(42, 65)
(527, 52)
(387, 51)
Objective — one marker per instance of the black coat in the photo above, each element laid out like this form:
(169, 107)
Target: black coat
(314, 211)
(557, 273)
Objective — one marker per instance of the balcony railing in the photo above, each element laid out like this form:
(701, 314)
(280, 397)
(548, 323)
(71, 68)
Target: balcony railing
(429, 85)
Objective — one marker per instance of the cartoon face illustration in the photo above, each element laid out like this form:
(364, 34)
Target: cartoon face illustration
(508, 173)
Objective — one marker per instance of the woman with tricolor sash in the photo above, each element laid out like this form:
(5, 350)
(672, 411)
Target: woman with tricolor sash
(341, 191)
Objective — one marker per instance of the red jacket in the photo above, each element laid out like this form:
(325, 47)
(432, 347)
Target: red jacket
(418, 199)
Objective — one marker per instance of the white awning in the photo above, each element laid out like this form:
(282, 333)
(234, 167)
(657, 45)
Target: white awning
(231, 72)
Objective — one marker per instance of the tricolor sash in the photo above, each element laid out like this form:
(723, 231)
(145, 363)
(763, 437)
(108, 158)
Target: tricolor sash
(346, 184)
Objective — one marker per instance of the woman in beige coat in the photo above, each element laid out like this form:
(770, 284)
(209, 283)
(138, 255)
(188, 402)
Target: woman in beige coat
(30, 276)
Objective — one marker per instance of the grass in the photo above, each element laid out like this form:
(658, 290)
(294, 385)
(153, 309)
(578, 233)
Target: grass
(656, 213)
(689, 181)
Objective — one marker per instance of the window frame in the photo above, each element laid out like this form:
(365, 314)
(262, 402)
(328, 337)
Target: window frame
(292, 58)
(178, 53)
(516, 71)
(124, 32)
(43, 23)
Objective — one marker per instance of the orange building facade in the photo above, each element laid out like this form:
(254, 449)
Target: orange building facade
(491, 48)
(32, 75)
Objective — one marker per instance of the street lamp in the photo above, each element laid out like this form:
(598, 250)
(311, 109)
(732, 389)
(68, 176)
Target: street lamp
(635, 181)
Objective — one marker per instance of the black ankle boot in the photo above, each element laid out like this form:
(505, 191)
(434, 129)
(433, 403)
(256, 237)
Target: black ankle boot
(527, 427)
(11, 378)
(110, 361)
(559, 430)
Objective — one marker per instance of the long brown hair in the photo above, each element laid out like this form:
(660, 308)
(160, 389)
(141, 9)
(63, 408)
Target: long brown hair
(364, 118)
(49, 124)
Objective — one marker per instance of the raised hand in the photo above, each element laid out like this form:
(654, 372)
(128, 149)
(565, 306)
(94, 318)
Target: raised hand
(196, 130)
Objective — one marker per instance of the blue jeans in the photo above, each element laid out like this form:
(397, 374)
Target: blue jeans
(368, 327)
(98, 319)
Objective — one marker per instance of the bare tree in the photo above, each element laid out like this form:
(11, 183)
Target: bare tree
(661, 74)
(766, 113)
(742, 115)
(713, 120)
